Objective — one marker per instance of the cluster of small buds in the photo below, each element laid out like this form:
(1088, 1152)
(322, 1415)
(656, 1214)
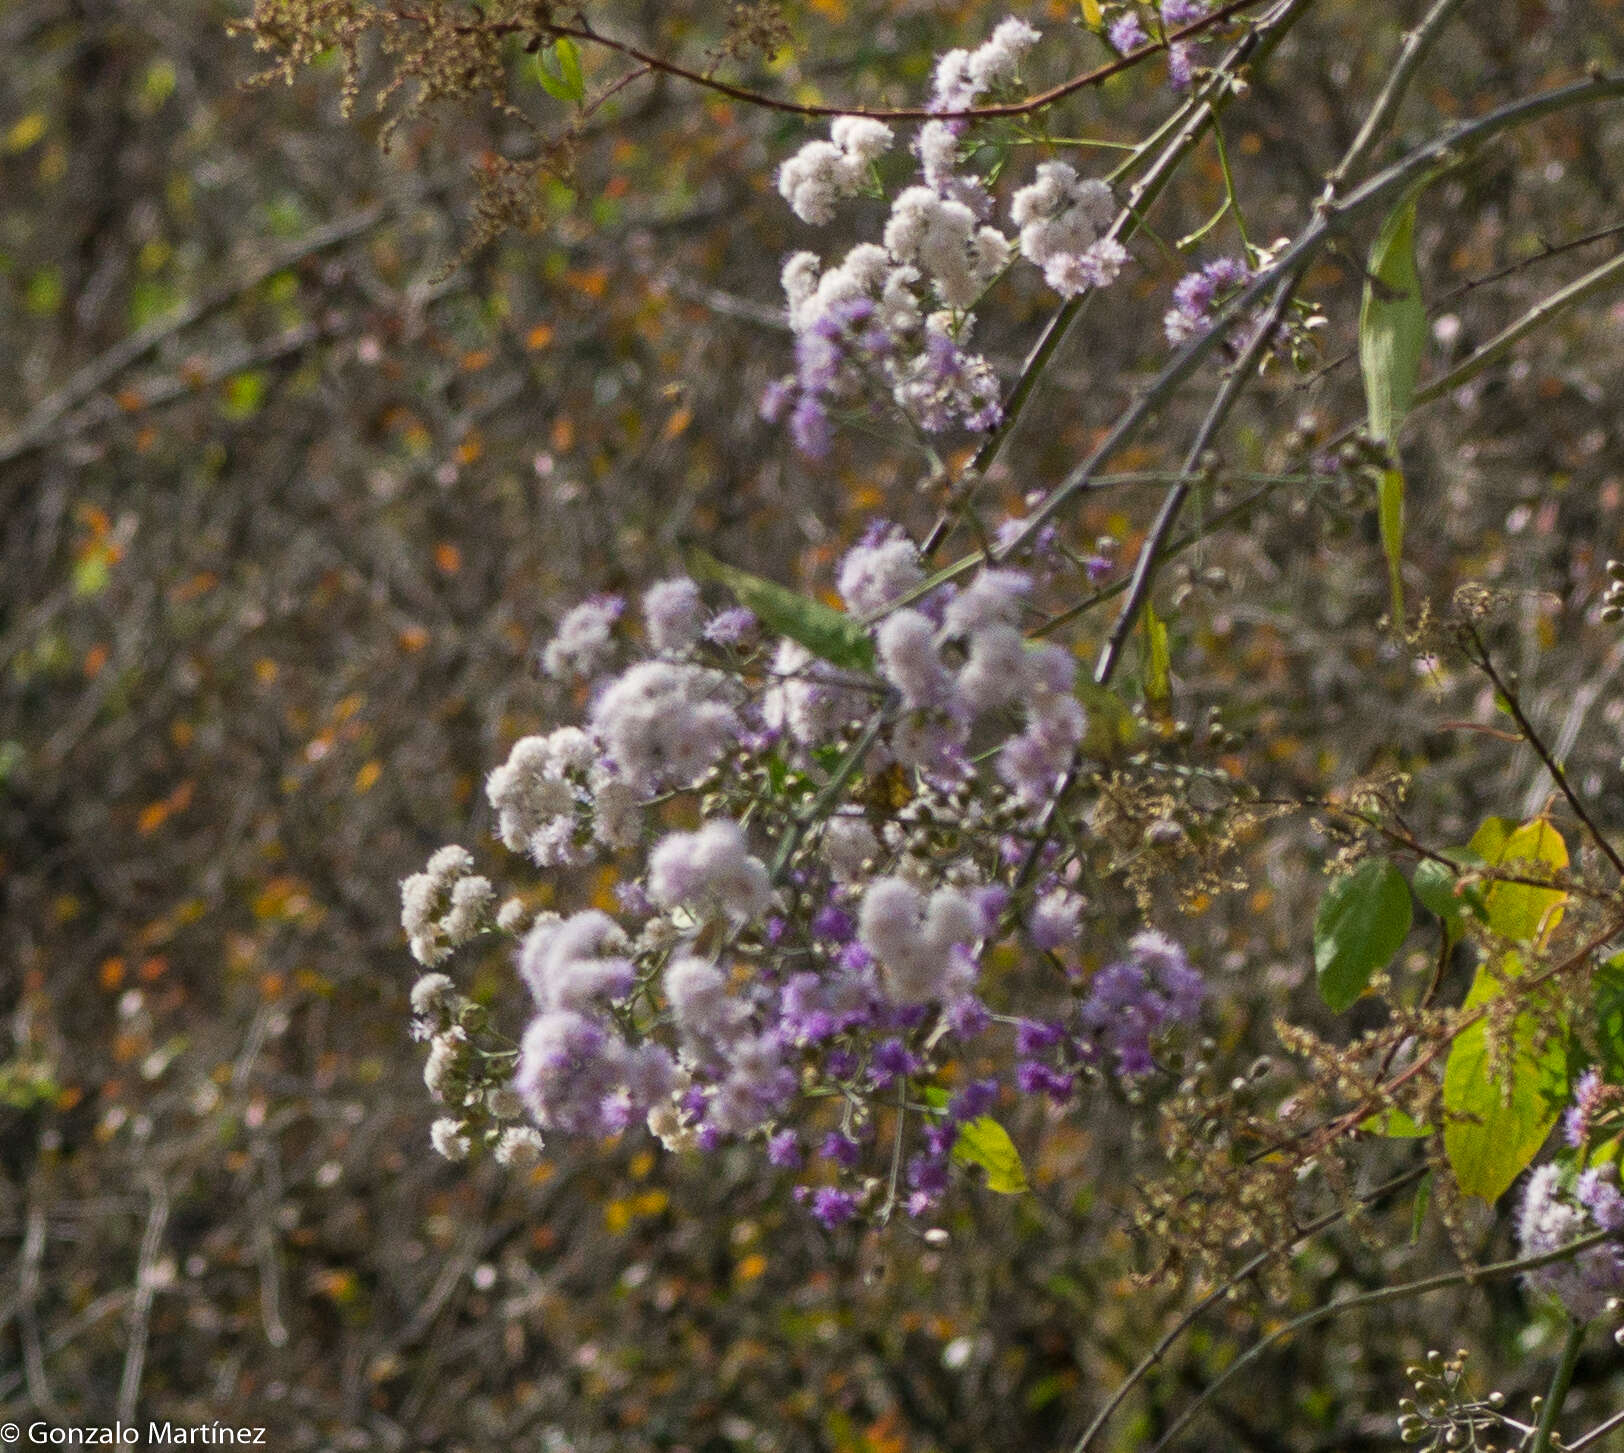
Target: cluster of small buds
(459, 1076)
(1443, 1417)
(900, 314)
(1592, 1114)
(1127, 32)
(1612, 605)
(789, 1006)
(444, 906)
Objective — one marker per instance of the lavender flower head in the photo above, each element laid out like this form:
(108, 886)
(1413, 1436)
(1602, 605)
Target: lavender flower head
(1554, 1215)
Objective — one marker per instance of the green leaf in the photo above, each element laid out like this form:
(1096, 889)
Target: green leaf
(1438, 887)
(829, 634)
(1390, 516)
(1498, 1114)
(1113, 730)
(1395, 1124)
(1158, 664)
(1392, 334)
(1609, 1018)
(1392, 324)
(244, 395)
(1092, 17)
(569, 66)
(558, 68)
(1418, 1212)
(984, 1142)
(90, 574)
(1515, 910)
(1362, 920)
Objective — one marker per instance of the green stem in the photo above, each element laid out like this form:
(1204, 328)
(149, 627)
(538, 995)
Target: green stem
(1561, 1381)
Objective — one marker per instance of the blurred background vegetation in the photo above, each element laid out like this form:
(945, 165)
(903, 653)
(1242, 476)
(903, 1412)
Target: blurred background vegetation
(289, 496)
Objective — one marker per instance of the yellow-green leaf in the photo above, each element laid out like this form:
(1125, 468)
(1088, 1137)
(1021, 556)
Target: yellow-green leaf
(1113, 729)
(1515, 910)
(984, 1142)
(1497, 1115)
(1158, 664)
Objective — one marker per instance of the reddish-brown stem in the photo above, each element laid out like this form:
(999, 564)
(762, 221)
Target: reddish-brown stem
(898, 113)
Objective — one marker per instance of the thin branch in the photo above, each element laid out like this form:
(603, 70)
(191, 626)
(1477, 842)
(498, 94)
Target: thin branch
(1332, 221)
(146, 1286)
(1201, 112)
(1144, 570)
(1596, 1434)
(36, 430)
(1497, 1271)
(1508, 694)
(1561, 1381)
(1416, 44)
(1217, 1294)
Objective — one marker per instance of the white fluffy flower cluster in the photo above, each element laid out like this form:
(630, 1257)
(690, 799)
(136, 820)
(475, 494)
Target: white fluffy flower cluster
(808, 699)
(975, 661)
(943, 237)
(964, 76)
(1063, 220)
(921, 943)
(822, 172)
(876, 572)
(576, 962)
(705, 1012)
(663, 723)
(444, 906)
(674, 614)
(541, 797)
(583, 643)
(711, 870)
(867, 274)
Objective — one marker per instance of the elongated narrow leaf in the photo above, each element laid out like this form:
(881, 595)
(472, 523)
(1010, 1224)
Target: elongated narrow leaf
(1390, 516)
(984, 1142)
(1498, 1114)
(827, 633)
(1158, 664)
(1392, 324)
(1392, 334)
(1092, 16)
(1362, 920)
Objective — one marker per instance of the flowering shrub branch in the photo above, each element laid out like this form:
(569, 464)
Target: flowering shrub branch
(858, 849)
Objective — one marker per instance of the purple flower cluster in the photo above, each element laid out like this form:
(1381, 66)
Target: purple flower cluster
(1196, 296)
(1559, 1209)
(726, 1003)
(1130, 1001)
